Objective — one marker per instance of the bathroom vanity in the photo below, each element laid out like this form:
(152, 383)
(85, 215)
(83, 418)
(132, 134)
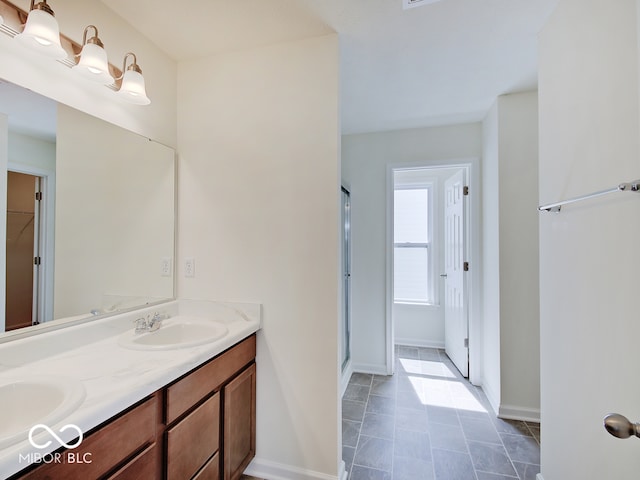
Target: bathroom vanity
(150, 412)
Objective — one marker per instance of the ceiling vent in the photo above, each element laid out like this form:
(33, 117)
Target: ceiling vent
(416, 3)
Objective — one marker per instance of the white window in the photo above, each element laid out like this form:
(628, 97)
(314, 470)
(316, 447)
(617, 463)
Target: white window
(412, 264)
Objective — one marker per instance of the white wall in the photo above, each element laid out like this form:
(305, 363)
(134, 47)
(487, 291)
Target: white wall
(589, 252)
(259, 195)
(32, 152)
(54, 80)
(491, 258)
(365, 158)
(511, 306)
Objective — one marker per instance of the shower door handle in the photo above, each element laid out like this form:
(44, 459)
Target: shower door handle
(620, 426)
(443, 275)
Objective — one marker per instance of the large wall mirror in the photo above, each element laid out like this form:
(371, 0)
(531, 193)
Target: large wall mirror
(90, 214)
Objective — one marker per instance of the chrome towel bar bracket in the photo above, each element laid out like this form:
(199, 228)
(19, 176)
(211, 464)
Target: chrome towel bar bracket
(623, 187)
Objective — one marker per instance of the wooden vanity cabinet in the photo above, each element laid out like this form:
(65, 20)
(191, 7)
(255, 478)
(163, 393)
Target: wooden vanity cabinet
(200, 427)
(224, 378)
(121, 442)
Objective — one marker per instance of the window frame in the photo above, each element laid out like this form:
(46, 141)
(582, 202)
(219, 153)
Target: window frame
(430, 245)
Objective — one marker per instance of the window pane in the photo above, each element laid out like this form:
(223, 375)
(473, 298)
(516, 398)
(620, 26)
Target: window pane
(411, 279)
(411, 216)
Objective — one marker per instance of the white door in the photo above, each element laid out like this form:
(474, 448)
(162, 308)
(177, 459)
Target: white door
(456, 325)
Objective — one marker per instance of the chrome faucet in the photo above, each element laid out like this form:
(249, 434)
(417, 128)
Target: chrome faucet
(150, 323)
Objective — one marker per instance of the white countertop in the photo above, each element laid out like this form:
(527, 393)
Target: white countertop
(113, 377)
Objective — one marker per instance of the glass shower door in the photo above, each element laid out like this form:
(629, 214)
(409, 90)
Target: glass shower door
(346, 278)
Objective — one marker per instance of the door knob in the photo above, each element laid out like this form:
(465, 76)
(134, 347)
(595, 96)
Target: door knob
(620, 426)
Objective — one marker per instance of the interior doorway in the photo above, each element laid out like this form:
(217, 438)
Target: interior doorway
(429, 257)
(24, 196)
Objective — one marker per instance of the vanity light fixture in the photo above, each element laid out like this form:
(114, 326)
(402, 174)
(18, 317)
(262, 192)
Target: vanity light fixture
(93, 63)
(132, 88)
(41, 32)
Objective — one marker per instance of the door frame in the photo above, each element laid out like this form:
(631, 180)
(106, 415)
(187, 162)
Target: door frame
(46, 237)
(472, 165)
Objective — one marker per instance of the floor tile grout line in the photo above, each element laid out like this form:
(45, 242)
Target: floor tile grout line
(475, 392)
(364, 412)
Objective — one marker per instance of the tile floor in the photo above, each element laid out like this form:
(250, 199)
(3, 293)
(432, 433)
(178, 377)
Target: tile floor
(428, 423)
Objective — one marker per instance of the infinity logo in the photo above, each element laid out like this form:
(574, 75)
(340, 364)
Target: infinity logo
(53, 434)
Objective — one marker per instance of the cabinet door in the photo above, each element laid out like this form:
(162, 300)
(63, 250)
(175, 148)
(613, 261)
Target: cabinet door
(239, 423)
(193, 440)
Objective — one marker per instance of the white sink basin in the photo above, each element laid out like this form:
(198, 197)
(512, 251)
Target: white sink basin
(35, 400)
(176, 332)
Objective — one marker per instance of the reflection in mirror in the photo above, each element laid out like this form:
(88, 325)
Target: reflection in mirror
(89, 213)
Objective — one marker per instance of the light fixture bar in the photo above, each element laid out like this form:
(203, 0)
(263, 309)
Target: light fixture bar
(14, 18)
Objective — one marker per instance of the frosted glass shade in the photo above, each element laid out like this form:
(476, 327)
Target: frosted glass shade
(133, 89)
(94, 65)
(42, 34)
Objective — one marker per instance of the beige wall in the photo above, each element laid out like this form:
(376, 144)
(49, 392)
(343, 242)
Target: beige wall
(114, 218)
(259, 212)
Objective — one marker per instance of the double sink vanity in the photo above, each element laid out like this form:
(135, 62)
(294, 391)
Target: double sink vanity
(160, 392)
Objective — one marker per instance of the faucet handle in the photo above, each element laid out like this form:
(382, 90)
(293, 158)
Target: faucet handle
(141, 324)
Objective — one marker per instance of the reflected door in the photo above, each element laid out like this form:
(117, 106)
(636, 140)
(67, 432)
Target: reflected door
(22, 249)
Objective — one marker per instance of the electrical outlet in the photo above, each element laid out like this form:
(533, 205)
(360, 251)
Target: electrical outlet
(189, 267)
(165, 267)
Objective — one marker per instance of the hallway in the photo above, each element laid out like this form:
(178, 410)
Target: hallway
(428, 422)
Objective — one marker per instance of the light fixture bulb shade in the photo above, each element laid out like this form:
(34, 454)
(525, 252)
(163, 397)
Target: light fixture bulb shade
(1, 19)
(94, 65)
(133, 89)
(42, 34)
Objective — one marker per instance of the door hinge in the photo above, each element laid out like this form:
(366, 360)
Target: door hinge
(466, 343)
(36, 260)
(465, 266)
(38, 196)
(465, 190)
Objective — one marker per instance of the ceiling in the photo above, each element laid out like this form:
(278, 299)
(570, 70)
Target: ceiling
(437, 64)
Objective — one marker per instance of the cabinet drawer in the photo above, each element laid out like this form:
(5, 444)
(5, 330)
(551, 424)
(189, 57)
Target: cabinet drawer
(193, 440)
(188, 391)
(211, 471)
(108, 447)
(144, 465)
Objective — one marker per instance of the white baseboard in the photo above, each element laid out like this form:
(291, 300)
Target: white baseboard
(342, 472)
(491, 396)
(370, 368)
(412, 342)
(346, 375)
(277, 471)
(511, 412)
